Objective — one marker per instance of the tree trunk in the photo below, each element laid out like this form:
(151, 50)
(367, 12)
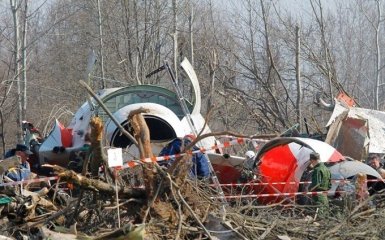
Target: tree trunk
(298, 78)
(19, 119)
(378, 57)
(24, 62)
(101, 45)
(2, 130)
(98, 157)
(142, 136)
(175, 38)
(190, 24)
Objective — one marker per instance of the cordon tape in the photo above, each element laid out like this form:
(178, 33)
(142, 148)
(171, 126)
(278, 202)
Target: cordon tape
(286, 183)
(226, 144)
(35, 180)
(280, 194)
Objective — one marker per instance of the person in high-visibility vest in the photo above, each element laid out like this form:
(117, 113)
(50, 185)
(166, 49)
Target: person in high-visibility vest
(320, 181)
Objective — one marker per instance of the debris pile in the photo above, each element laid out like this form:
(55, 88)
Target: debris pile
(152, 202)
(92, 206)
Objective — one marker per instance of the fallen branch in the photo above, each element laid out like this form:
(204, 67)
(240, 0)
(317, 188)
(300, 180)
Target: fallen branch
(54, 216)
(122, 130)
(94, 184)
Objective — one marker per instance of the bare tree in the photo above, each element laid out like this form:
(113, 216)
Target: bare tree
(101, 44)
(175, 36)
(298, 77)
(378, 53)
(15, 7)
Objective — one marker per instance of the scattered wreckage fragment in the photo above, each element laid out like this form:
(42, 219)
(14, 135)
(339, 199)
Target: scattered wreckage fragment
(281, 164)
(354, 131)
(165, 119)
(280, 160)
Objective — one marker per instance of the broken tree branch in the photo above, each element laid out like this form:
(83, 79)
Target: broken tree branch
(122, 130)
(142, 136)
(93, 184)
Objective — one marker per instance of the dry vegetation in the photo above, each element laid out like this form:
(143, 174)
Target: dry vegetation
(244, 59)
(158, 203)
(179, 211)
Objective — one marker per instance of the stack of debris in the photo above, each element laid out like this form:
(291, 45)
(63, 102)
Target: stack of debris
(166, 204)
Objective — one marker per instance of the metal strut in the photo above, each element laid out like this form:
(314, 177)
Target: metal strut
(190, 122)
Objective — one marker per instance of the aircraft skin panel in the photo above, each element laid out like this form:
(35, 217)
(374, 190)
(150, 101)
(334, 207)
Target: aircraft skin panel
(53, 139)
(80, 122)
(233, 161)
(375, 122)
(165, 116)
(80, 125)
(188, 68)
(226, 174)
(348, 169)
(302, 154)
(327, 152)
(277, 164)
(154, 110)
(286, 159)
(199, 122)
(228, 169)
(59, 135)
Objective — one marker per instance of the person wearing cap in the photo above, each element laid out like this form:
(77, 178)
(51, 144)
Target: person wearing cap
(249, 160)
(375, 162)
(320, 181)
(247, 172)
(200, 167)
(24, 170)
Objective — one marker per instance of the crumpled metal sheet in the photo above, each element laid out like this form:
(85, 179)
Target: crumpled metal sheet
(373, 132)
(347, 169)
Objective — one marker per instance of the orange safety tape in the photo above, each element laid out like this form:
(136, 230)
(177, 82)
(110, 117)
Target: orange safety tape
(29, 181)
(235, 141)
(279, 194)
(284, 183)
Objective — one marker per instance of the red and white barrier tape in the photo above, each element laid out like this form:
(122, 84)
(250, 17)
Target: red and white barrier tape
(285, 183)
(280, 194)
(257, 184)
(29, 181)
(236, 141)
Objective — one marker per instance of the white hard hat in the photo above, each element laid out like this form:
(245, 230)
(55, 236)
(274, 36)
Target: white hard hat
(250, 154)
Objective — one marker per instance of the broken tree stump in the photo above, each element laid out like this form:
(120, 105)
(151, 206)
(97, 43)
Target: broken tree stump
(142, 136)
(98, 157)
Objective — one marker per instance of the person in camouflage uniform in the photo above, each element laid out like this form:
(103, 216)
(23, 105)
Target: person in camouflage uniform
(320, 181)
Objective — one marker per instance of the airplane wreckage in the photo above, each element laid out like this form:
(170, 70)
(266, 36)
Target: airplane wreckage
(281, 160)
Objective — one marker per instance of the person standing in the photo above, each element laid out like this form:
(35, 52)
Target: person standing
(200, 166)
(249, 160)
(375, 162)
(320, 181)
(24, 169)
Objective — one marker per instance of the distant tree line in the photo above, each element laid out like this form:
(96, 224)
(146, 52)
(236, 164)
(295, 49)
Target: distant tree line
(259, 65)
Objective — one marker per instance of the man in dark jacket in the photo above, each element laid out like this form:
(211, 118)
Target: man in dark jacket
(200, 167)
(320, 181)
